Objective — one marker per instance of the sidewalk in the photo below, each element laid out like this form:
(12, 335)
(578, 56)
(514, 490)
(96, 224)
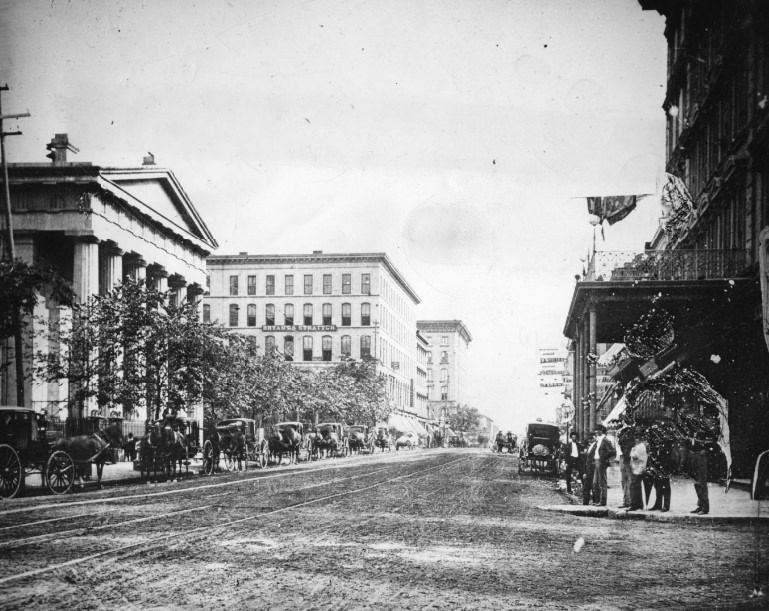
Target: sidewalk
(731, 507)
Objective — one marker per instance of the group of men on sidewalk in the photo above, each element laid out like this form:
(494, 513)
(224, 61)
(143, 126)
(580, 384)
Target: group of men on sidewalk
(599, 454)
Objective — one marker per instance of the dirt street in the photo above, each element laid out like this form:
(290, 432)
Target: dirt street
(427, 529)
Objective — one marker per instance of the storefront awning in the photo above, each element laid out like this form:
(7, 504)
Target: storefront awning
(616, 411)
(406, 424)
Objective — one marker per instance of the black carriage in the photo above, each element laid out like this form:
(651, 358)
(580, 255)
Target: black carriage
(360, 438)
(458, 441)
(239, 441)
(505, 443)
(331, 440)
(26, 447)
(170, 442)
(300, 449)
(541, 449)
(382, 439)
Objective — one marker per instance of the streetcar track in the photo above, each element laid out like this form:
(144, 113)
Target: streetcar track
(131, 548)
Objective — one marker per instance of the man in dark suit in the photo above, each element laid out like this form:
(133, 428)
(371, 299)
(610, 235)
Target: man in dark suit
(571, 457)
(601, 455)
(587, 477)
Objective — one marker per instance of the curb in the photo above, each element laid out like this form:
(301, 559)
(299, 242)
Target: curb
(588, 511)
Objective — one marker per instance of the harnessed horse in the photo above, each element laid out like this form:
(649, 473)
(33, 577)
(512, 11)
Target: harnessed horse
(91, 449)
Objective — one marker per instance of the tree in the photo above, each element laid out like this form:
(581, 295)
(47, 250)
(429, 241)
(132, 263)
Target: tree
(464, 418)
(21, 286)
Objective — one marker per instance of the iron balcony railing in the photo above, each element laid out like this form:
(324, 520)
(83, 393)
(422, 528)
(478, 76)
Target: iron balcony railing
(666, 265)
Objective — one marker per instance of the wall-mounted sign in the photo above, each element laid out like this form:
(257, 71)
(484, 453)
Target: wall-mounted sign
(296, 328)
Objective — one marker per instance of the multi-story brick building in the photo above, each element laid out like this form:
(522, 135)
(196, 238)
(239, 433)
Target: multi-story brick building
(316, 308)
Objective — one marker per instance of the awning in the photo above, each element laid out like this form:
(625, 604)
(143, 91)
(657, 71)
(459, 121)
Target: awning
(406, 424)
(616, 411)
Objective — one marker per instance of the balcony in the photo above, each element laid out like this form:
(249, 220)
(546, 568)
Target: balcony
(676, 265)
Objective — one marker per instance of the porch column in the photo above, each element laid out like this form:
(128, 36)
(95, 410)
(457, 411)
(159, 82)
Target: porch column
(177, 284)
(577, 391)
(157, 276)
(86, 268)
(135, 266)
(585, 382)
(592, 366)
(111, 265)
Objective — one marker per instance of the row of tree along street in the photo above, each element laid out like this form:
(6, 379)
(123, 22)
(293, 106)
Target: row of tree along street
(133, 351)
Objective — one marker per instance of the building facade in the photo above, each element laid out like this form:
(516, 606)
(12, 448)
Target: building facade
(315, 309)
(447, 350)
(96, 225)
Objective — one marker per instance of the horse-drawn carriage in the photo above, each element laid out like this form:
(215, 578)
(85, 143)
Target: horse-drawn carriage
(239, 441)
(288, 438)
(407, 441)
(27, 446)
(168, 444)
(382, 439)
(541, 449)
(361, 438)
(505, 444)
(330, 440)
(458, 441)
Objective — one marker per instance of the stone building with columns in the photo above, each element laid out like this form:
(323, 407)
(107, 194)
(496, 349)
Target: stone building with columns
(96, 225)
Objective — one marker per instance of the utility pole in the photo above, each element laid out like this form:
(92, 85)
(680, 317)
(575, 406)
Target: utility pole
(11, 249)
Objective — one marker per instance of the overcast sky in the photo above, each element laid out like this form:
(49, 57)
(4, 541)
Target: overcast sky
(459, 137)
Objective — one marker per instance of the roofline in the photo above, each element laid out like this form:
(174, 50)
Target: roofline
(448, 325)
(320, 257)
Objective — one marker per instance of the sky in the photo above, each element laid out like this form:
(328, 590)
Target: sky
(458, 136)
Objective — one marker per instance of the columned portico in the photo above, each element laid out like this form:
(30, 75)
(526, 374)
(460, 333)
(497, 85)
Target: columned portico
(135, 267)
(111, 264)
(85, 271)
(157, 277)
(178, 286)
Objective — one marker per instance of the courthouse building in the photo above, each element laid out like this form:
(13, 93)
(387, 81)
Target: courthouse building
(95, 225)
(317, 308)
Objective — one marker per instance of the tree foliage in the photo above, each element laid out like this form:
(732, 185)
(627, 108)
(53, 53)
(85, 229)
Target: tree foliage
(464, 418)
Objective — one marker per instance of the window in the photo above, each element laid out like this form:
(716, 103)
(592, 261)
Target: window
(234, 314)
(326, 284)
(307, 348)
(429, 358)
(444, 356)
(308, 313)
(444, 393)
(365, 284)
(290, 284)
(346, 345)
(208, 281)
(288, 348)
(444, 340)
(429, 375)
(269, 314)
(365, 314)
(326, 347)
(206, 313)
(269, 285)
(251, 287)
(346, 314)
(251, 315)
(308, 284)
(365, 346)
(346, 284)
(327, 314)
(288, 310)
(444, 375)
(269, 344)
(233, 285)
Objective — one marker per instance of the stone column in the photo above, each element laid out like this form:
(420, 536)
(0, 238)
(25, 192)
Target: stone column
(157, 277)
(178, 286)
(135, 266)
(592, 365)
(584, 378)
(111, 265)
(86, 268)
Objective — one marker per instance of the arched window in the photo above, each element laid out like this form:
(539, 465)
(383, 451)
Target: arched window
(346, 314)
(288, 348)
(365, 314)
(269, 344)
(365, 346)
(327, 314)
(251, 315)
(307, 348)
(346, 345)
(269, 314)
(288, 310)
(326, 347)
(308, 313)
(234, 310)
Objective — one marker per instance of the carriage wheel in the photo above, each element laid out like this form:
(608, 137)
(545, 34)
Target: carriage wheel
(59, 473)
(208, 458)
(11, 472)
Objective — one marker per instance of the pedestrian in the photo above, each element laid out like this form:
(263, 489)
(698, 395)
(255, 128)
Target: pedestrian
(600, 457)
(130, 448)
(698, 465)
(638, 459)
(571, 457)
(625, 442)
(661, 464)
(588, 475)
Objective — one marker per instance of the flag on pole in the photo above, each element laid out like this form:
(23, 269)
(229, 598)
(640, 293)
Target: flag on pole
(611, 208)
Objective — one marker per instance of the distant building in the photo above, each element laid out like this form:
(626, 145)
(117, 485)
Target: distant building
(448, 342)
(97, 225)
(315, 309)
(552, 383)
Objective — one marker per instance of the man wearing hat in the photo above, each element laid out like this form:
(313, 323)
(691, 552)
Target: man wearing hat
(603, 452)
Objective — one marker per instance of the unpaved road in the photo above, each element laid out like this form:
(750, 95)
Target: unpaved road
(436, 529)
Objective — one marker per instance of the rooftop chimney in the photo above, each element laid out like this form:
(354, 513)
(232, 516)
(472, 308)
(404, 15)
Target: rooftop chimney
(59, 146)
(149, 159)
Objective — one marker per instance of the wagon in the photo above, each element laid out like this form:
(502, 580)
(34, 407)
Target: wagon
(505, 444)
(331, 439)
(361, 438)
(382, 439)
(300, 447)
(239, 441)
(26, 448)
(541, 449)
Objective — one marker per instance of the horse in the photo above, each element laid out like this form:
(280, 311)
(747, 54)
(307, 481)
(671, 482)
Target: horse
(328, 442)
(357, 441)
(233, 444)
(382, 441)
(292, 442)
(91, 449)
(277, 447)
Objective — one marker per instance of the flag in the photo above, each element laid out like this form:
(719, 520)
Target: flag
(677, 205)
(612, 208)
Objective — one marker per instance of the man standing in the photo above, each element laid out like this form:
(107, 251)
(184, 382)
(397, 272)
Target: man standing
(698, 463)
(571, 455)
(601, 456)
(587, 477)
(625, 441)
